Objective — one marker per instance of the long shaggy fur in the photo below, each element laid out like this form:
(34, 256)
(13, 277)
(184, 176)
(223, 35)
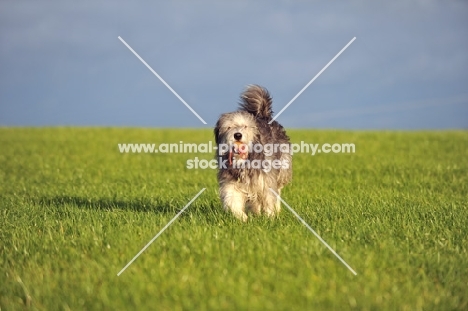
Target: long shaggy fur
(257, 101)
(244, 189)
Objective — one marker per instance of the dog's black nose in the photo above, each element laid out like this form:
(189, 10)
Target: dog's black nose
(237, 136)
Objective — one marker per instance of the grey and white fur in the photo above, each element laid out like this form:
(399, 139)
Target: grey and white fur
(244, 189)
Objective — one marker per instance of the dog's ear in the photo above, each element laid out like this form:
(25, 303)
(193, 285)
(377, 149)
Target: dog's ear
(216, 132)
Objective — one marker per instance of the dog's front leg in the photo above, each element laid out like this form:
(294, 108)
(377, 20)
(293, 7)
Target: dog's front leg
(272, 204)
(233, 200)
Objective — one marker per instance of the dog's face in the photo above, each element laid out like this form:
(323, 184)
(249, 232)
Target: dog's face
(234, 133)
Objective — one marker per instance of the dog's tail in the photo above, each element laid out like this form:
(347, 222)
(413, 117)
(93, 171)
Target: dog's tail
(257, 101)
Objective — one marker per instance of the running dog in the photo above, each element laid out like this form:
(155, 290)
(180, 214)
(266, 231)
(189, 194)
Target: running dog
(253, 156)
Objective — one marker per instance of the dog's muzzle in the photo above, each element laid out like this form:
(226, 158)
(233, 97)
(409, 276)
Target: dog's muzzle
(238, 150)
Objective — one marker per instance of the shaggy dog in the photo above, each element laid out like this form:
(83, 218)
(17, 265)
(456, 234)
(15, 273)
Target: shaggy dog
(253, 156)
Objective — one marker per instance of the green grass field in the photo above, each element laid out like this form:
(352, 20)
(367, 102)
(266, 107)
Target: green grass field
(74, 211)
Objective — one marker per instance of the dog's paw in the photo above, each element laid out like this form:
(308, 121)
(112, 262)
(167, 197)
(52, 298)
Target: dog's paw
(271, 213)
(241, 216)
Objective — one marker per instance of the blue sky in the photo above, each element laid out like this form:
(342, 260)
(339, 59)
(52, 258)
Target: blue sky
(61, 63)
